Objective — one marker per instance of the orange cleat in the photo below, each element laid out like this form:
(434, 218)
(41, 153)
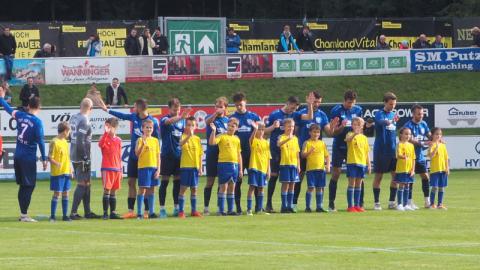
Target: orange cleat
(181, 215)
(129, 215)
(359, 209)
(352, 209)
(441, 207)
(145, 215)
(433, 206)
(196, 214)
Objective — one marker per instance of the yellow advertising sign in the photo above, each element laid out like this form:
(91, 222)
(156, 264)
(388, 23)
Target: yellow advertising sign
(258, 45)
(112, 40)
(238, 27)
(318, 26)
(28, 42)
(68, 28)
(394, 42)
(391, 25)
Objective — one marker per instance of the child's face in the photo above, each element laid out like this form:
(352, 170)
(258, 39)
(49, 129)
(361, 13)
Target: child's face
(437, 135)
(232, 127)
(357, 126)
(260, 131)
(406, 135)
(190, 126)
(67, 132)
(147, 129)
(220, 106)
(111, 129)
(289, 128)
(315, 134)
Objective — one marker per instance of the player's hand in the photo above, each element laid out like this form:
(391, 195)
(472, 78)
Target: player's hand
(200, 171)
(157, 174)
(125, 105)
(311, 150)
(254, 125)
(276, 124)
(412, 173)
(213, 127)
(104, 107)
(44, 163)
(448, 171)
(335, 121)
(290, 136)
(219, 112)
(310, 98)
(369, 169)
(240, 174)
(396, 118)
(298, 169)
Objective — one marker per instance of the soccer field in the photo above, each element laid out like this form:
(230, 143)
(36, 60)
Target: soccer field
(427, 239)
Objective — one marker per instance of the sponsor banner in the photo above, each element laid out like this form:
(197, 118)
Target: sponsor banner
(30, 37)
(213, 67)
(52, 117)
(464, 151)
(146, 69)
(457, 115)
(440, 60)
(183, 68)
(341, 64)
(25, 68)
(462, 31)
(84, 70)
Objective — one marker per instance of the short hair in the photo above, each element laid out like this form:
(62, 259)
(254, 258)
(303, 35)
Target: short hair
(358, 120)
(230, 29)
(158, 28)
(293, 99)
(417, 107)
(47, 45)
(115, 79)
(350, 95)
(317, 95)
(191, 119)
(389, 96)
(63, 126)
(173, 101)
(142, 103)
(147, 121)
(112, 121)
(435, 129)
(403, 129)
(30, 78)
(239, 96)
(34, 103)
(86, 103)
(233, 120)
(314, 127)
(288, 121)
(224, 100)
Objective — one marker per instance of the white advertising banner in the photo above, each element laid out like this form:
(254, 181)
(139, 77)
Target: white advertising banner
(52, 117)
(457, 115)
(84, 70)
(341, 63)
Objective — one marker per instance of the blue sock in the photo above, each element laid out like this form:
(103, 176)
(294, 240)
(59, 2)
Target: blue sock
(441, 192)
(193, 203)
(284, 200)
(181, 203)
(249, 203)
(151, 204)
(356, 196)
(308, 199)
(140, 199)
(319, 198)
(53, 207)
(290, 199)
(230, 202)
(65, 206)
(350, 196)
(406, 193)
(400, 192)
(221, 202)
(260, 201)
(432, 196)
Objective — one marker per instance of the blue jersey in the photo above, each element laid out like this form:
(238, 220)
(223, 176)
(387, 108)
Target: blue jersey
(245, 128)
(344, 115)
(319, 118)
(221, 125)
(385, 135)
(136, 131)
(277, 115)
(420, 133)
(171, 135)
(29, 134)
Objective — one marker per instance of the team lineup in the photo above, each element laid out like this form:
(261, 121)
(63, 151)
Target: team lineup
(286, 146)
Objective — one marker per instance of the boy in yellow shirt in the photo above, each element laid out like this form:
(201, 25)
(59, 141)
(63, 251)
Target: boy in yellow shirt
(229, 164)
(405, 168)
(439, 168)
(60, 171)
(147, 150)
(318, 163)
(357, 161)
(289, 164)
(190, 167)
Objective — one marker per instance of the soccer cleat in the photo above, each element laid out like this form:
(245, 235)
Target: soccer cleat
(232, 214)
(249, 213)
(308, 210)
(222, 214)
(139, 217)
(115, 216)
(26, 219)
(206, 212)
(441, 207)
(408, 208)
(351, 209)
(285, 211)
(152, 216)
(181, 215)
(129, 215)
(377, 207)
(359, 209)
(321, 210)
(269, 209)
(427, 202)
(105, 216)
(163, 213)
(332, 210)
(75, 217)
(400, 207)
(175, 212)
(196, 214)
(66, 218)
(52, 219)
(433, 206)
(392, 205)
(294, 208)
(92, 215)
(239, 211)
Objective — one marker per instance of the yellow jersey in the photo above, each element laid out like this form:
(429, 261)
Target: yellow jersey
(59, 151)
(289, 151)
(191, 152)
(150, 154)
(405, 165)
(357, 150)
(228, 148)
(260, 155)
(438, 163)
(316, 159)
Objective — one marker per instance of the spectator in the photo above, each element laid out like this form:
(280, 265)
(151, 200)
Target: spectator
(28, 92)
(438, 44)
(161, 42)
(93, 45)
(476, 36)
(232, 41)
(287, 42)
(305, 40)
(403, 45)
(132, 44)
(8, 46)
(48, 50)
(115, 93)
(421, 42)
(146, 43)
(382, 43)
(8, 94)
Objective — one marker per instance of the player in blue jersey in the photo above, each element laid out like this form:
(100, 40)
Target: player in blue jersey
(29, 137)
(421, 140)
(384, 148)
(342, 114)
(136, 118)
(171, 130)
(220, 120)
(276, 119)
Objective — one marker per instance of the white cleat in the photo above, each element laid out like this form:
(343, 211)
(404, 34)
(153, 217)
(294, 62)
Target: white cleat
(377, 207)
(392, 205)
(26, 219)
(413, 206)
(400, 207)
(408, 208)
(427, 203)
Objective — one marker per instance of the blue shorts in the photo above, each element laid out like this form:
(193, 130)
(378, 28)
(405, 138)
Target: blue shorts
(25, 171)
(439, 179)
(289, 174)
(275, 163)
(60, 183)
(227, 172)
(189, 177)
(420, 167)
(211, 160)
(146, 177)
(356, 171)
(338, 157)
(403, 178)
(256, 178)
(384, 164)
(316, 179)
(132, 167)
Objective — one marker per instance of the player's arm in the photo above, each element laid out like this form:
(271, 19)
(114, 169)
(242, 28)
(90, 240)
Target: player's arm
(254, 132)
(432, 151)
(82, 137)
(50, 154)
(7, 106)
(240, 164)
(41, 144)
(350, 136)
(306, 152)
(213, 137)
(175, 119)
(298, 162)
(400, 156)
(273, 125)
(287, 138)
(412, 171)
(369, 164)
(309, 115)
(381, 120)
(447, 164)
(159, 162)
(200, 167)
(140, 146)
(185, 139)
(120, 115)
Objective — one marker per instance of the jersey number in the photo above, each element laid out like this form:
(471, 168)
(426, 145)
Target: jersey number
(24, 128)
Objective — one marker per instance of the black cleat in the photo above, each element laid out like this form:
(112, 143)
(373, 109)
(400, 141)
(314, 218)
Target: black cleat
(105, 216)
(66, 218)
(232, 214)
(308, 210)
(92, 215)
(115, 216)
(321, 210)
(270, 210)
(76, 217)
(285, 211)
(152, 216)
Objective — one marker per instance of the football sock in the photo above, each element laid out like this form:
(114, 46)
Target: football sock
(308, 199)
(181, 203)
(271, 189)
(151, 203)
(193, 202)
(146, 204)
(284, 200)
(259, 200)
(441, 193)
(162, 192)
(86, 200)
(249, 203)
(298, 188)
(362, 193)
(176, 191)
(238, 194)
(376, 195)
(425, 187)
(410, 191)
(356, 196)
(400, 192)
(230, 202)
(131, 203)
(105, 203)
(113, 204)
(64, 206)
(140, 199)
(406, 193)
(221, 202)
(319, 199)
(332, 192)
(207, 193)
(290, 199)
(350, 196)
(432, 195)
(53, 207)
(393, 193)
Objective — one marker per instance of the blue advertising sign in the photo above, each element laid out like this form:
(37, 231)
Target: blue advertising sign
(438, 60)
(25, 68)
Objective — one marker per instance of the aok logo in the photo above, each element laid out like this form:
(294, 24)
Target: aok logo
(456, 115)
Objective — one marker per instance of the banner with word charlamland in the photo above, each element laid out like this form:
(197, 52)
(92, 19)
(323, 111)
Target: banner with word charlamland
(24, 69)
(340, 64)
(441, 60)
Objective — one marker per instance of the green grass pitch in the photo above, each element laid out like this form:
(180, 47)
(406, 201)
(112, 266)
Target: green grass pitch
(424, 239)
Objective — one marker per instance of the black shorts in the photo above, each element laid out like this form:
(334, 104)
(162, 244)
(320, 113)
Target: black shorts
(132, 167)
(245, 159)
(211, 162)
(275, 163)
(303, 165)
(82, 171)
(25, 172)
(421, 167)
(338, 157)
(384, 164)
(170, 165)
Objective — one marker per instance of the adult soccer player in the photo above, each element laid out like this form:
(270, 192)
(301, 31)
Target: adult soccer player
(29, 137)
